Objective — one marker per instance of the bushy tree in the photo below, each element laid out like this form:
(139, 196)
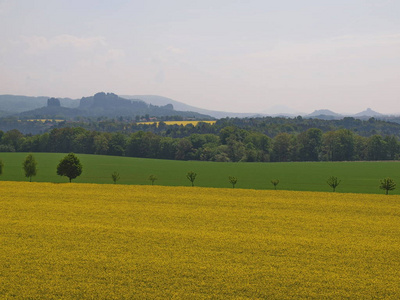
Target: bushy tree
(232, 180)
(152, 178)
(387, 184)
(117, 144)
(13, 139)
(29, 166)
(310, 143)
(184, 149)
(376, 148)
(392, 146)
(281, 147)
(275, 182)
(333, 182)
(191, 176)
(69, 166)
(115, 177)
(339, 145)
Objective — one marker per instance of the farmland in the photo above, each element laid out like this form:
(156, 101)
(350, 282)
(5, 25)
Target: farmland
(74, 241)
(183, 123)
(357, 177)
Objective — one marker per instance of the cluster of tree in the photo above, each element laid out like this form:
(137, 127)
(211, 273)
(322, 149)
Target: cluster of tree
(69, 166)
(387, 184)
(230, 144)
(270, 126)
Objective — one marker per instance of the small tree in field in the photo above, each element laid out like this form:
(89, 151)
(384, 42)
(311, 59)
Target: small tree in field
(333, 182)
(275, 182)
(152, 178)
(191, 176)
(387, 184)
(69, 166)
(115, 177)
(29, 165)
(232, 180)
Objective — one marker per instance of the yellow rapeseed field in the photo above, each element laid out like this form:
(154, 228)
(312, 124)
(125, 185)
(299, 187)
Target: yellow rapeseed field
(184, 123)
(45, 120)
(88, 241)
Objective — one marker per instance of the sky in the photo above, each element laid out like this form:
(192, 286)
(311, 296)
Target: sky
(237, 56)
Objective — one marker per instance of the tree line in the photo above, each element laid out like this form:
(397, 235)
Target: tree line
(71, 167)
(270, 126)
(230, 144)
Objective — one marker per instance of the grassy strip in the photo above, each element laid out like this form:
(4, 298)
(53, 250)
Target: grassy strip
(357, 177)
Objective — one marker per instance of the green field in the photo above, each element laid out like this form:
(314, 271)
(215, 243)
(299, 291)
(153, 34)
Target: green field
(90, 241)
(357, 177)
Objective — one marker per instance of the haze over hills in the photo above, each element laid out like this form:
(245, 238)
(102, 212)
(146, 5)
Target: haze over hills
(18, 103)
(330, 115)
(101, 104)
(322, 112)
(160, 100)
(282, 110)
(368, 112)
(276, 110)
(109, 104)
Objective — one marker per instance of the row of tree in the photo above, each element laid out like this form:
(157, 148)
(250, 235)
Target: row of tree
(69, 166)
(230, 144)
(386, 184)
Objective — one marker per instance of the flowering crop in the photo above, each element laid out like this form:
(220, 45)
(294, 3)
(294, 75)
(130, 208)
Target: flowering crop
(74, 241)
(184, 123)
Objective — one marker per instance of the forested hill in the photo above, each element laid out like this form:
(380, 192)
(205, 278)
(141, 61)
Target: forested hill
(272, 126)
(107, 105)
(12, 104)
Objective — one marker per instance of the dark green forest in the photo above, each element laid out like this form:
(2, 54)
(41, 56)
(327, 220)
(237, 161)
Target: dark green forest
(230, 139)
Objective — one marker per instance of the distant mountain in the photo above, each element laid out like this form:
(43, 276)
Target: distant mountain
(112, 105)
(51, 112)
(368, 113)
(107, 105)
(330, 115)
(324, 112)
(15, 104)
(160, 100)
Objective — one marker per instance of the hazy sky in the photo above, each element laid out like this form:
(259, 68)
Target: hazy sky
(239, 56)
